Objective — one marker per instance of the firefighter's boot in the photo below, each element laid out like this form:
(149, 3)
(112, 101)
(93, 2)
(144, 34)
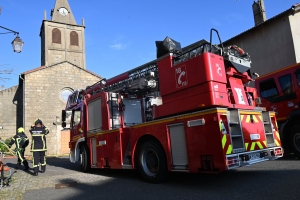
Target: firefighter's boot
(18, 166)
(25, 163)
(43, 169)
(35, 171)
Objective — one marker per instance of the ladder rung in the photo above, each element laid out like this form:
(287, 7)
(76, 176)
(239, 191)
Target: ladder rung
(233, 123)
(236, 135)
(266, 122)
(269, 133)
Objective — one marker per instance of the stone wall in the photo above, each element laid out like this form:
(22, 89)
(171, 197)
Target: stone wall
(270, 45)
(8, 112)
(43, 97)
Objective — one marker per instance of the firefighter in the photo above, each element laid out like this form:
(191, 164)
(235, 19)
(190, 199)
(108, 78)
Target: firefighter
(38, 146)
(21, 141)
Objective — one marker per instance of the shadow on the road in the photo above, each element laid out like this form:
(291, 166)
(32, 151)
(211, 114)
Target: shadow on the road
(269, 184)
(272, 180)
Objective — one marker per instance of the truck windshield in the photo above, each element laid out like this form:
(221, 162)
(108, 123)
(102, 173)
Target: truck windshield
(133, 112)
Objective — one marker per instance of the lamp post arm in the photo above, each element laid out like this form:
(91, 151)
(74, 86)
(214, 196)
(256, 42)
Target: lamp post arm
(10, 30)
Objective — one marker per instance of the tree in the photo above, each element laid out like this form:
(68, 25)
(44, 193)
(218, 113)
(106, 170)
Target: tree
(4, 70)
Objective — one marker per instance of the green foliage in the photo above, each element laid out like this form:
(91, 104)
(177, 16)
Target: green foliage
(2, 147)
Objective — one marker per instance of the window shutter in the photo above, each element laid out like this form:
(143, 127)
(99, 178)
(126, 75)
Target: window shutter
(74, 38)
(56, 36)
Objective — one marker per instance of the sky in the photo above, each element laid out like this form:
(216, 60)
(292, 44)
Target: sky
(120, 34)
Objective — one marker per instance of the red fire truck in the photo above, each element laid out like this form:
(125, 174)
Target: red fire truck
(189, 111)
(280, 92)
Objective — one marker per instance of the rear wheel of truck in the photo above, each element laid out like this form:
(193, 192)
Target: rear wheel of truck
(295, 140)
(84, 159)
(152, 162)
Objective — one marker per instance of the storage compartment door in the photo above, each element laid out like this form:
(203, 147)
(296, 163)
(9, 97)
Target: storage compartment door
(178, 147)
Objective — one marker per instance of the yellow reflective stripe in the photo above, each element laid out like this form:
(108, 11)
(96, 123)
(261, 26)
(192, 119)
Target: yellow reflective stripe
(229, 150)
(33, 162)
(37, 135)
(259, 145)
(19, 156)
(255, 119)
(43, 143)
(32, 150)
(220, 125)
(248, 119)
(13, 138)
(242, 117)
(277, 134)
(252, 146)
(277, 143)
(224, 140)
(43, 164)
(246, 145)
(265, 142)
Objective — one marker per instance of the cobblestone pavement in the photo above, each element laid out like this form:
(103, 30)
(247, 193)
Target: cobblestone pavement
(59, 171)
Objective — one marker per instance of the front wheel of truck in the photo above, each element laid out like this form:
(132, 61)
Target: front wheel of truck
(84, 159)
(295, 140)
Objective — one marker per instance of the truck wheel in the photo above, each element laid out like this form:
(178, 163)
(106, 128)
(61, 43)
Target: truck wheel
(152, 162)
(295, 139)
(84, 159)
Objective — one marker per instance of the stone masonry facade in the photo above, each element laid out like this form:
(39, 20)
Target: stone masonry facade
(43, 97)
(9, 115)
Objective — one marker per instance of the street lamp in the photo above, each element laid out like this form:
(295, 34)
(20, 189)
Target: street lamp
(17, 43)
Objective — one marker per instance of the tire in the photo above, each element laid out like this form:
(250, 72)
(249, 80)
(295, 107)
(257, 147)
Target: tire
(152, 162)
(84, 159)
(295, 140)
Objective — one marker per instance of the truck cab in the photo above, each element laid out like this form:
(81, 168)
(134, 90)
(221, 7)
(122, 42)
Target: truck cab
(280, 92)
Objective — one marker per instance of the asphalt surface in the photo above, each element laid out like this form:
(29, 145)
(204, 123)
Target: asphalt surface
(278, 179)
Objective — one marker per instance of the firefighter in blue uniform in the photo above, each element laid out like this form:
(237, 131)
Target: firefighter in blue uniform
(21, 141)
(38, 146)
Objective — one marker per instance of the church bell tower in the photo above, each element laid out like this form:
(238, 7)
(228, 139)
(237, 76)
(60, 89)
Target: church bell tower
(62, 39)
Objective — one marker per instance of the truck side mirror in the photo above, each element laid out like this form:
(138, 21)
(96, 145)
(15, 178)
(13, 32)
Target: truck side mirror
(63, 115)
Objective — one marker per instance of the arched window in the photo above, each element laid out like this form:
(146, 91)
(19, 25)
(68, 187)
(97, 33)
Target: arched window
(74, 38)
(56, 36)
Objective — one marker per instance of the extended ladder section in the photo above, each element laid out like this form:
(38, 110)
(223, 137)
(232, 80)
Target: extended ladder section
(235, 131)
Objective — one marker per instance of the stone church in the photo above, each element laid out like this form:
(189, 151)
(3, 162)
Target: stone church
(42, 92)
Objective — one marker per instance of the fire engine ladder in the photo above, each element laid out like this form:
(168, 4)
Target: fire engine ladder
(142, 71)
(235, 131)
(268, 127)
(133, 75)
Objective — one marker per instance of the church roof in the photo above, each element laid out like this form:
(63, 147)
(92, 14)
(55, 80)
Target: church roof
(44, 67)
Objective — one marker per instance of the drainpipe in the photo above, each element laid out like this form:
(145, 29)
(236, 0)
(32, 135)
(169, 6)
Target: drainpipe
(20, 76)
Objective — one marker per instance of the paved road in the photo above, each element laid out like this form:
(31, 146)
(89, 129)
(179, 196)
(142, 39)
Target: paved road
(278, 179)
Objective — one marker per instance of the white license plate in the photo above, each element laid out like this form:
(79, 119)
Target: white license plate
(254, 156)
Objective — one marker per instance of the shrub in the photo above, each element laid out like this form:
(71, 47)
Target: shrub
(3, 148)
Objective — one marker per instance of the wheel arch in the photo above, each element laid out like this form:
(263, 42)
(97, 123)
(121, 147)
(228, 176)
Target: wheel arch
(78, 145)
(285, 129)
(139, 143)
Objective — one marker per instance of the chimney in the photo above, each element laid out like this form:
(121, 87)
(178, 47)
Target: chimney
(259, 12)
(2, 87)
